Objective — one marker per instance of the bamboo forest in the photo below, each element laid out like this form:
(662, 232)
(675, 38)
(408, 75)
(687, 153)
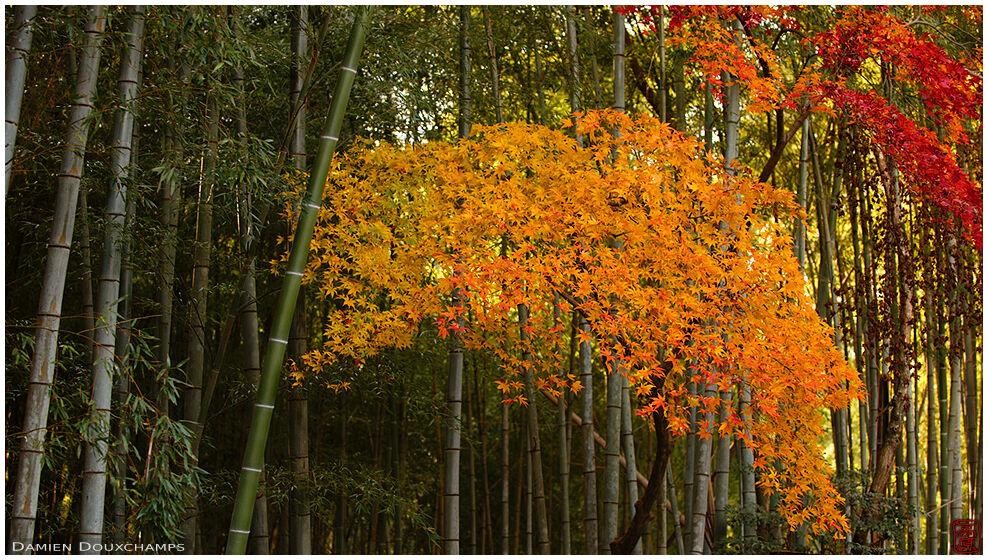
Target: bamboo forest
(493, 279)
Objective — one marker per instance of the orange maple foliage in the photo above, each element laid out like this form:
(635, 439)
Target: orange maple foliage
(704, 287)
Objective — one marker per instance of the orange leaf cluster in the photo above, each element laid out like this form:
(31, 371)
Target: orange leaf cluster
(683, 272)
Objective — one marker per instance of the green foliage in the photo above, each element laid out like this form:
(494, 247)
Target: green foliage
(889, 528)
(157, 472)
(765, 542)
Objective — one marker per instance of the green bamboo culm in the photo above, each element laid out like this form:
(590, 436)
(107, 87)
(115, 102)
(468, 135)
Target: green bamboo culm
(243, 506)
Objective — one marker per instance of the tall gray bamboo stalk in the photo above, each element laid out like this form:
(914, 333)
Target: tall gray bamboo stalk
(932, 462)
(466, 103)
(956, 350)
(300, 49)
(25, 505)
(869, 297)
(170, 193)
(20, 35)
(505, 483)
(122, 350)
(298, 402)
(661, 546)
(907, 292)
(702, 481)
(677, 526)
(469, 398)
(800, 225)
(277, 341)
(854, 204)
(454, 386)
(201, 255)
(540, 112)
(505, 419)
(628, 446)
(689, 474)
(971, 417)
(943, 394)
(722, 472)
(565, 541)
(85, 253)
(564, 431)
(589, 464)
(259, 542)
(528, 498)
(826, 219)
(534, 445)
(611, 460)
(912, 468)
(612, 451)
(732, 116)
(575, 97)
(94, 475)
(495, 74)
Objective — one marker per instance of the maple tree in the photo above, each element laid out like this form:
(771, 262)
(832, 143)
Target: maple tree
(950, 92)
(705, 289)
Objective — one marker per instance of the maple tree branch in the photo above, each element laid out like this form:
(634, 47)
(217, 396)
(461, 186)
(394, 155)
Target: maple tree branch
(776, 155)
(626, 542)
(751, 41)
(780, 141)
(641, 80)
(621, 338)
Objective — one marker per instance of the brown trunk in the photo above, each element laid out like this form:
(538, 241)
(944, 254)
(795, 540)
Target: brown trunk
(625, 543)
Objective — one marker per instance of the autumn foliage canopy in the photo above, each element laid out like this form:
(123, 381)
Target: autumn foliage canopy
(684, 273)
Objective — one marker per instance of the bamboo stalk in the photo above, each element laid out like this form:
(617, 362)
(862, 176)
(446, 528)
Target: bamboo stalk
(505, 482)
(495, 75)
(454, 386)
(677, 525)
(589, 464)
(722, 472)
(25, 505)
(468, 403)
(932, 462)
(575, 97)
(277, 342)
(702, 488)
(19, 47)
(613, 449)
(662, 67)
(122, 350)
(534, 444)
(298, 404)
(201, 256)
(944, 475)
(563, 427)
(94, 475)
(85, 253)
(854, 204)
(956, 350)
(259, 542)
(628, 445)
